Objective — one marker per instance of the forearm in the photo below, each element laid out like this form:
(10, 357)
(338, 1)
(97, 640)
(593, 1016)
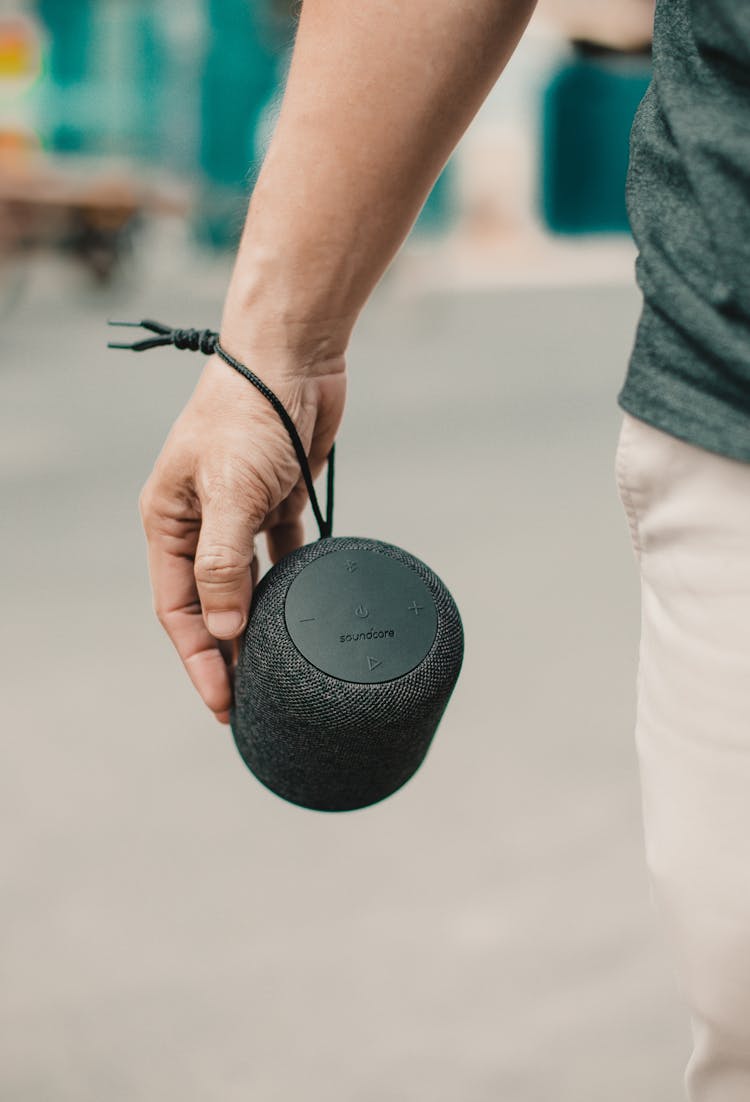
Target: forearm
(378, 95)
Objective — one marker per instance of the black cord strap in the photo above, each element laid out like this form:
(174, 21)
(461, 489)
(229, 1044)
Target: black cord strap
(207, 342)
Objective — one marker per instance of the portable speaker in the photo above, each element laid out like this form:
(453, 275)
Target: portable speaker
(352, 650)
(351, 653)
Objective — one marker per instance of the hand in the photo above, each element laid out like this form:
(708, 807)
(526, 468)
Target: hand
(228, 471)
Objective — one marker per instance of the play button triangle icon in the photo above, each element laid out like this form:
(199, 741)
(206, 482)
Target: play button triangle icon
(373, 663)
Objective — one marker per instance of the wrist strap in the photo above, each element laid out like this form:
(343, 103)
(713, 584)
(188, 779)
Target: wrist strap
(207, 342)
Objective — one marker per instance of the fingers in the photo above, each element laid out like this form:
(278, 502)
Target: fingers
(202, 563)
(172, 539)
(284, 538)
(222, 562)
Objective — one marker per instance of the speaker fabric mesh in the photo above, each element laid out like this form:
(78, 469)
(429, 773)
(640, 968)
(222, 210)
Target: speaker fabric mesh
(329, 744)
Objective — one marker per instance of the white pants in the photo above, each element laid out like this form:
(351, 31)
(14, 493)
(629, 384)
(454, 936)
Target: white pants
(689, 516)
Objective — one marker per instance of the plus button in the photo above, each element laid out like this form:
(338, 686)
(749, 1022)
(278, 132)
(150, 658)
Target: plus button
(415, 608)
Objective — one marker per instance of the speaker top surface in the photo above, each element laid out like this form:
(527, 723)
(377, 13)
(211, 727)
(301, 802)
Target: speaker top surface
(360, 616)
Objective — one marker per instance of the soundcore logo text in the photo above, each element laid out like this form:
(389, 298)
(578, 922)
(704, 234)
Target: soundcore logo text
(352, 637)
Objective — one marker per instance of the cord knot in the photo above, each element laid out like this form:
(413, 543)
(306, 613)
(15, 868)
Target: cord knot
(195, 340)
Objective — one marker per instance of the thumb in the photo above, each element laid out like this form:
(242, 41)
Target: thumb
(222, 565)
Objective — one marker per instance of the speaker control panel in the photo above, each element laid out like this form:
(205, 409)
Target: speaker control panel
(361, 616)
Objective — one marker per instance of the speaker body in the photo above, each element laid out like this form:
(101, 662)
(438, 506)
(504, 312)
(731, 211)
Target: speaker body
(352, 650)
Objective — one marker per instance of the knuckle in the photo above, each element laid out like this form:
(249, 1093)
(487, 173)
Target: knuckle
(146, 505)
(162, 615)
(219, 566)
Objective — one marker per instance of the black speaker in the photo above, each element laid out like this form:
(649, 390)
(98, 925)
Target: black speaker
(351, 653)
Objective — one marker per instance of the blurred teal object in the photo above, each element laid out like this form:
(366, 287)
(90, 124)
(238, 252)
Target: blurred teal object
(101, 90)
(588, 110)
(240, 77)
(439, 207)
(69, 25)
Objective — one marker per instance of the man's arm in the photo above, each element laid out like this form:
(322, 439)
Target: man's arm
(378, 95)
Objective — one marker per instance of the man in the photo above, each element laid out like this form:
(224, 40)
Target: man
(377, 97)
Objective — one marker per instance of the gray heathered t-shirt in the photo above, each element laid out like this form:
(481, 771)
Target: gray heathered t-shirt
(689, 205)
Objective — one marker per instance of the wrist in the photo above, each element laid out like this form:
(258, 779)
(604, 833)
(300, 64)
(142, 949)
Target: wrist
(271, 312)
(261, 334)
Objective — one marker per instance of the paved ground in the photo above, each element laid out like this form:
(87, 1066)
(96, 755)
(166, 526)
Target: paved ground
(172, 931)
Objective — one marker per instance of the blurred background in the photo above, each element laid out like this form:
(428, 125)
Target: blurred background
(171, 930)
